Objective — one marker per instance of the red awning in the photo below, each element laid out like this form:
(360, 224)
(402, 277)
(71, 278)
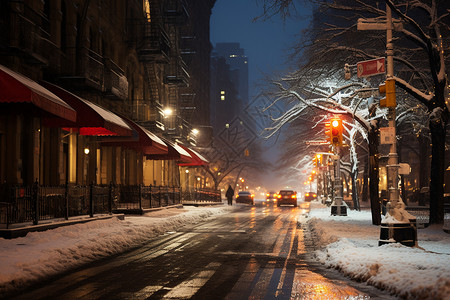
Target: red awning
(144, 140)
(197, 158)
(16, 88)
(91, 118)
(175, 152)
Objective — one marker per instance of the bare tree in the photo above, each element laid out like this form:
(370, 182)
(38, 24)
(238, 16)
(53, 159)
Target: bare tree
(419, 39)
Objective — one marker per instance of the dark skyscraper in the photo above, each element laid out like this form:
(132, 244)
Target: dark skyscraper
(235, 57)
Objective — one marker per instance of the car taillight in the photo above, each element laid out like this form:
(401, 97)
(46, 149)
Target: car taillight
(267, 195)
(307, 194)
(252, 195)
(279, 196)
(237, 196)
(314, 195)
(294, 196)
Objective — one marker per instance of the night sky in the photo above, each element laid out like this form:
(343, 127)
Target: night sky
(266, 43)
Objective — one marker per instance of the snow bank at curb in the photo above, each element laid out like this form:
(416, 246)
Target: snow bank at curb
(42, 254)
(350, 244)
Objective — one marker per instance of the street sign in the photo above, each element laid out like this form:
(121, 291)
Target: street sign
(371, 67)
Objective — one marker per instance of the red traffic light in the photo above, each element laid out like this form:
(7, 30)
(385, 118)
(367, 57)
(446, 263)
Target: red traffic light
(336, 131)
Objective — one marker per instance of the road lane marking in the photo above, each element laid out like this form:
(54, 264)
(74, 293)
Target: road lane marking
(189, 287)
(291, 238)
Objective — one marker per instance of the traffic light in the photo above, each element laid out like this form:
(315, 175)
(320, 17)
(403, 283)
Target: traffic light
(388, 89)
(319, 159)
(336, 131)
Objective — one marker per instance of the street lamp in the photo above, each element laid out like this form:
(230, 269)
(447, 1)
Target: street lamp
(167, 112)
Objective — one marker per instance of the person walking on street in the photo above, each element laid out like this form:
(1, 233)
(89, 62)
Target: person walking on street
(229, 194)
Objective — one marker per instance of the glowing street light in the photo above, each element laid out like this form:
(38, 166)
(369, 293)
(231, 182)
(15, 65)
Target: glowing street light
(167, 112)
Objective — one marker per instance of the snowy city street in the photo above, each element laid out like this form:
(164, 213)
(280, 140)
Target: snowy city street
(349, 244)
(225, 149)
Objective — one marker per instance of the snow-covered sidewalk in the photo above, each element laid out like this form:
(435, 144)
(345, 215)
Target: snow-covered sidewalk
(350, 244)
(42, 254)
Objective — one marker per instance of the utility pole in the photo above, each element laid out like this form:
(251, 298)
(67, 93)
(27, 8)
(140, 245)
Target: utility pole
(335, 132)
(337, 207)
(398, 226)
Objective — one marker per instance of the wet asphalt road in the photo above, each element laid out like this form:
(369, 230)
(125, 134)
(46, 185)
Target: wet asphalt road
(255, 252)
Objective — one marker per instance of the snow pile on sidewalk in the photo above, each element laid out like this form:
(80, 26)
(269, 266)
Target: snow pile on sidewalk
(350, 244)
(42, 254)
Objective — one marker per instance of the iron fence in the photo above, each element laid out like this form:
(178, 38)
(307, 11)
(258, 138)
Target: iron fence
(25, 204)
(201, 195)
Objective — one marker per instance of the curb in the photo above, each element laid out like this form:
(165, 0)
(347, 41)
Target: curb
(206, 203)
(12, 233)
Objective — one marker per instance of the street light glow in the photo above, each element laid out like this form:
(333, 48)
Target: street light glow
(167, 111)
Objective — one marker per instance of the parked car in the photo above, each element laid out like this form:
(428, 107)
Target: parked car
(271, 196)
(288, 197)
(245, 197)
(310, 196)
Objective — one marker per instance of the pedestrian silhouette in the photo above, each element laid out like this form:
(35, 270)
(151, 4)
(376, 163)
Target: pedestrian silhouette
(229, 194)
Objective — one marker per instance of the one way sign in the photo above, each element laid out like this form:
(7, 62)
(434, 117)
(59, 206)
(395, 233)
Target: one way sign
(371, 67)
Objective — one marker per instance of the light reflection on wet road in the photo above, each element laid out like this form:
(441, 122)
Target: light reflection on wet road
(255, 252)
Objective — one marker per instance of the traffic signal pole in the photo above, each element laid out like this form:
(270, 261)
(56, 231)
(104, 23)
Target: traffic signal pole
(336, 129)
(392, 167)
(337, 207)
(398, 226)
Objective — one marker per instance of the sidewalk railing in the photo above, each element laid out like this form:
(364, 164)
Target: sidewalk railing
(25, 204)
(201, 195)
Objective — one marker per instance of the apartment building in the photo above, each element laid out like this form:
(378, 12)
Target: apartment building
(103, 91)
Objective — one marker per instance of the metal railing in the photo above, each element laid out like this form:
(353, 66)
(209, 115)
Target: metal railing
(201, 195)
(32, 204)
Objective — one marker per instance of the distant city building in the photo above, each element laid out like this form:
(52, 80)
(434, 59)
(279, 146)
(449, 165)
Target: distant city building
(229, 84)
(238, 62)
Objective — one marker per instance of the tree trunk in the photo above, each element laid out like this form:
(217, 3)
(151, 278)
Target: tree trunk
(355, 197)
(365, 188)
(437, 130)
(424, 179)
(374, 172)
